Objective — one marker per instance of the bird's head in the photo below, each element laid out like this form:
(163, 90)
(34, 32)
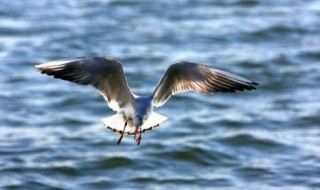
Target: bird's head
(138, 120)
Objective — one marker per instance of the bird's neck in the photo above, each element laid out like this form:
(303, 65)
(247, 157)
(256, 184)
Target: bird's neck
(143, 105)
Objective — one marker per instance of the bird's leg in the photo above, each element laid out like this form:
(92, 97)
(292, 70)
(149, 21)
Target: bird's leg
(135, 134)
(122, 133)
(139, 138)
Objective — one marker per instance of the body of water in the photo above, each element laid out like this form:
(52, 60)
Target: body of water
(51, 136)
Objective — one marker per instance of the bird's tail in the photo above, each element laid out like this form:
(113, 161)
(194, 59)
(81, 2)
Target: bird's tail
(116, 123)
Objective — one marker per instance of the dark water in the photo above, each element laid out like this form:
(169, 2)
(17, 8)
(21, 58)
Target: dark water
(51, 135)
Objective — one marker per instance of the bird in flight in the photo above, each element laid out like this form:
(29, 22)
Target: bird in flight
(136, 112)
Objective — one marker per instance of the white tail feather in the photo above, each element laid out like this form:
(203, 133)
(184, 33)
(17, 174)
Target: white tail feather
(116, 123)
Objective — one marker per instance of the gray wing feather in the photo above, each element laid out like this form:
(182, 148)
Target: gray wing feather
(103, 73)
(186, 76)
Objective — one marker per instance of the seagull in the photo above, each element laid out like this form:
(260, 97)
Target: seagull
(106, 75)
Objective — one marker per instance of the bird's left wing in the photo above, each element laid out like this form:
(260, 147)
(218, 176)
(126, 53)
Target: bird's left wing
(186, 76)
(103, 73)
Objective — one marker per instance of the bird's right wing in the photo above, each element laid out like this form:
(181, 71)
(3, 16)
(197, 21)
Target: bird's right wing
(186, 76)
(103, 73)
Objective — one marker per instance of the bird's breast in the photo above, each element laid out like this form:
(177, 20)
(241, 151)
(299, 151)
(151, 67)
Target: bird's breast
(128, 111)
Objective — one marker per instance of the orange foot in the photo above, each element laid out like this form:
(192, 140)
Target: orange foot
(135, 134)
(138, 140)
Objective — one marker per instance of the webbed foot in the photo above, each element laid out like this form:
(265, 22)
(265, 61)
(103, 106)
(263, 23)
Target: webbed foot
(139, 138)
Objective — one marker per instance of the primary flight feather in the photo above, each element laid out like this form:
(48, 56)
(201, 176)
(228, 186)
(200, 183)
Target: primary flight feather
(107, 76)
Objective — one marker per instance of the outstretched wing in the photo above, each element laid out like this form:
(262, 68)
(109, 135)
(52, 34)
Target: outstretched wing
(186, 76)
(103, 73)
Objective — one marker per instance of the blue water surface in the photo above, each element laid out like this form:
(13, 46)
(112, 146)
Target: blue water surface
(51, 136)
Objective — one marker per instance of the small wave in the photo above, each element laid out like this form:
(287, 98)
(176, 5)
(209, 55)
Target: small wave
(25, 150)
(195, 155)
(98, 184)
(107, 163)
(250, 173)
(143, 179)
(246, 140)
(66, 170)
(313, 55)
(33, 185)
(271, 33)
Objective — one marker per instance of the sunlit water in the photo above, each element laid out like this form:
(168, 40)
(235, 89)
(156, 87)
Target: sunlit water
(51, 136)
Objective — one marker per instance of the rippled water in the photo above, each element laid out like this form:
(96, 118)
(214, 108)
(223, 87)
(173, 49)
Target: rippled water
(51, 134)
